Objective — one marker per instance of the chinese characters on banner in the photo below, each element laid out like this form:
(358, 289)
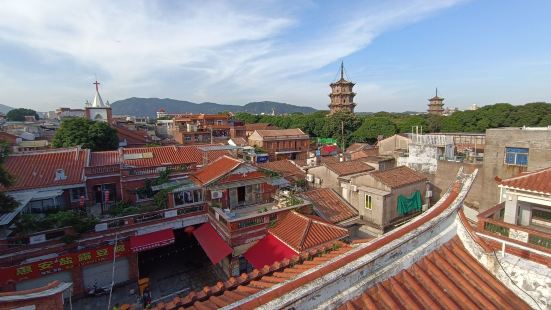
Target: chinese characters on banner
(63, 262)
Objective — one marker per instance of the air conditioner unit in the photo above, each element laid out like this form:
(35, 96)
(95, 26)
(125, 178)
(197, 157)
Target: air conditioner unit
(317, 181)
(216, 194)
(309, 178)
(354, 188)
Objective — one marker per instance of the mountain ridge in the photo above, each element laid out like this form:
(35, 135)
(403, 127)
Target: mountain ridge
(149, 106)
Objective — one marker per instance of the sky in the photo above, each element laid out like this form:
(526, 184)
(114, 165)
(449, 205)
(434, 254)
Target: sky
(235, 52)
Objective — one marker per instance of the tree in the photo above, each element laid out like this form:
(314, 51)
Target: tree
(333, 127)
(97, 136)
(18, 115)
(372, 128)
(7, 203)
(405, 124)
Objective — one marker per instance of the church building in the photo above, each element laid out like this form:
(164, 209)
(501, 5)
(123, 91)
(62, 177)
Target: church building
(98, 110)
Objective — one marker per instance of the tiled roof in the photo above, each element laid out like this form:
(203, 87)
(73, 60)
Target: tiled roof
(38, 169)
(330, 205)
(447, 278)
(303, 232)
(536, 181)
(217, 168)
(236, 289)
(398, 176)
(259, 126)
(355, 147)
(105, 158)
(172, 154)
(240, 141)
(281, 133)
(348, 167)
(285, 167)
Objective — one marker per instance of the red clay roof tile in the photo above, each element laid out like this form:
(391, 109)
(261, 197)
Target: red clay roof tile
(535, 181)
(38, 169)
(302, 232)
(286, 167)
(447, 278)
(105, 158)
(329, 205)
(398, 176)
(172, 154)
(348, 167)
(217, 169)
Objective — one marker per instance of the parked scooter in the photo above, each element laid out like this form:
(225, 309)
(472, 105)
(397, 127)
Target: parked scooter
(98, 290)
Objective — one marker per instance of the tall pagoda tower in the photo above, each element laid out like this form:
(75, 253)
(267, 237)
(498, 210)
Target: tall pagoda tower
(436, 105)
(342, 96)
(98, 110)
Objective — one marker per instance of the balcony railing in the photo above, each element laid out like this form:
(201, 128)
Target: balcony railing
(102, 170)
(129, 222)
(491, 222)
(155, 170)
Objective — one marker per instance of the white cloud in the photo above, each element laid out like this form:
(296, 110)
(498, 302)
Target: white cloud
(217, 50)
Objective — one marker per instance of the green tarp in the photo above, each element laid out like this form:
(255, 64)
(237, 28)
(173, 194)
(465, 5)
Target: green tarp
(327, 141)
(409, 204)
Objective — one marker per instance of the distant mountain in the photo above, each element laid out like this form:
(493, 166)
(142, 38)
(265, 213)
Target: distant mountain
(150, 106)
(5, 109)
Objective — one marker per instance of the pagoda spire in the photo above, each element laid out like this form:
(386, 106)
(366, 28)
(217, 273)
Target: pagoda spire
(342, 70)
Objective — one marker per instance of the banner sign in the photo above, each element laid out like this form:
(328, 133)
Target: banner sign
(327, 141)
(62, 263)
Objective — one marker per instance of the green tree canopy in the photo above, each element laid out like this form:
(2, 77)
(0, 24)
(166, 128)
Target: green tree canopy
(18, 115)
(97, 136)
(372, 127)
(7, 203)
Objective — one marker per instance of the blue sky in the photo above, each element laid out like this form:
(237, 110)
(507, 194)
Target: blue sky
(397, 52)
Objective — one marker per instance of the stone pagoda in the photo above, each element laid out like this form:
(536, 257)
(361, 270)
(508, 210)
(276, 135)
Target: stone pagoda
(436, 105)
(342, 96)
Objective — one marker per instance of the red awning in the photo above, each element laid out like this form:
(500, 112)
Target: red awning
(267, 251)
(215, 247)
(152, 240)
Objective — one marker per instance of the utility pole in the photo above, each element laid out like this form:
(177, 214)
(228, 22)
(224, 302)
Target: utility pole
(211, 141)
(342, 134)
(113, 272)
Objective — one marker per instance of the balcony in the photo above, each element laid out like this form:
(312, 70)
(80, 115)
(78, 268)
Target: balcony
(102, 170)
(140, 171)
(255, 215)
(491, 222)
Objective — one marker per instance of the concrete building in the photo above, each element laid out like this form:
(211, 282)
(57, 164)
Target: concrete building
(342, 96)
(329, 174)
(61, 113)
(511, 151)
(281, 143)
(204, 128)
(385, 198)
(527, 199)
(393, 146)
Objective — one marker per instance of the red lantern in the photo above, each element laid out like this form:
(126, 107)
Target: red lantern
(81, 201)
(189, 230)
(106, 196)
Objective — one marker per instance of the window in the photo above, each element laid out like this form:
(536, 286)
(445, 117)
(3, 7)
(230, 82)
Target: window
(187, 138)
(368, 202)
(516, 156)
(77, 192)
(218, 122)
(187, 197)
